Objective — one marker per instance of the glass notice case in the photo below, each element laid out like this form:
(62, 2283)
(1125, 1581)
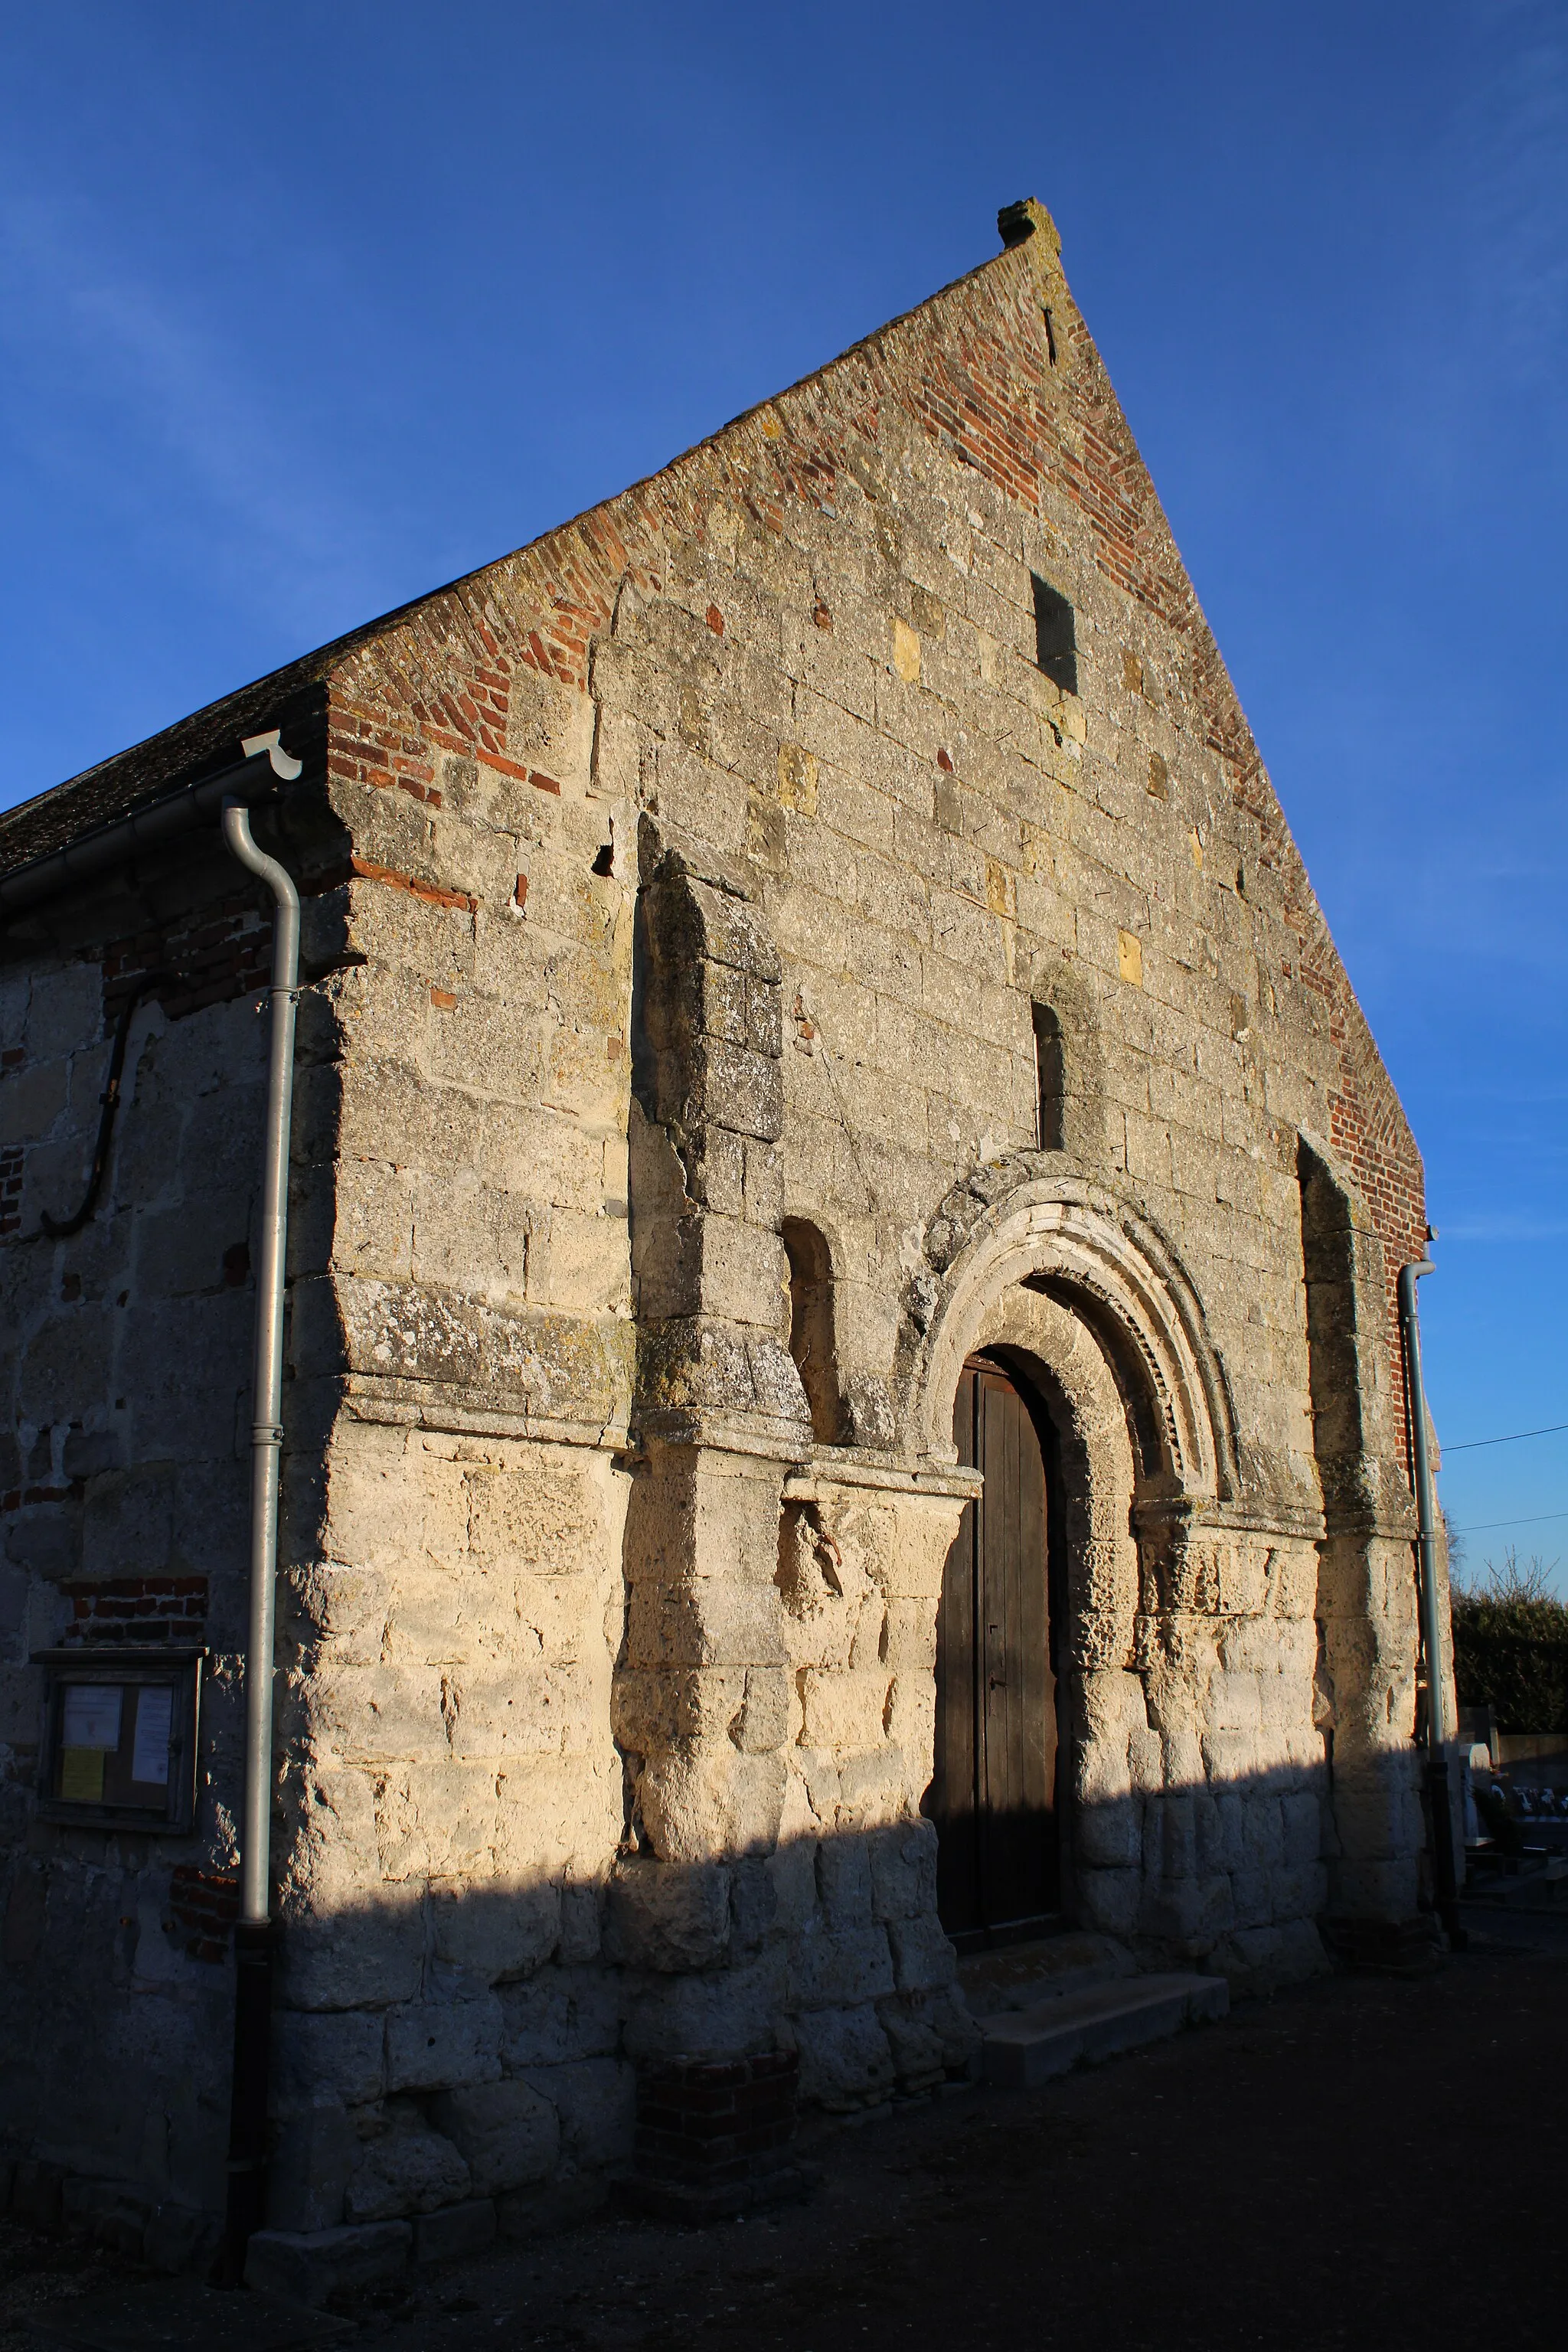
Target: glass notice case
(120, 1737)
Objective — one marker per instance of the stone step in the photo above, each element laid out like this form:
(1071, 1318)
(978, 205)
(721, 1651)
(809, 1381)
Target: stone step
(1536, 1887)
(1020, 1976)
(1026, 2047)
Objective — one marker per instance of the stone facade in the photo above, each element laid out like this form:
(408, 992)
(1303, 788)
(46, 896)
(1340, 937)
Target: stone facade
(759, 952)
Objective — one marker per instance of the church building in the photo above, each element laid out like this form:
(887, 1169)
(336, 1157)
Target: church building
(841, 1407)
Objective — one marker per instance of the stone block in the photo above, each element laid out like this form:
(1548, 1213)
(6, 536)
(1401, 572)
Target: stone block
(315, 2156)
(46, 1544)
(442, 1820)
(353, 1958)
(739, 1089)
(871, 1789)
(726, 2013)
(456, 2232)
(31, 1102)
(792, 1870)
(108, 2212)
(596, 2099)
(1298, 1894)
(1170, 1839)
(560, 2014)
(923, 1958)
(727, 930)
(1303, 1829)
(336, 2055)
(667, 1915)
(845, 2059)
(831, 1967)
(65, 1014)
(844, 1708)
(1230, 1757)
(406, 2169)
(526, 1708)
(182, 2239)
(507, 2133)
(1217, 1824)
(1109, 1835)
(1263, 1836)
(441, 2045)
(581, 1920)
(1252, 1898)
(844, 1880)
(494, 1930)
(753, 1905)
(308, 2267)
(762, 1723)
(1109, 1900)
(128, 1521)
(919, 2054)
(380, 1715)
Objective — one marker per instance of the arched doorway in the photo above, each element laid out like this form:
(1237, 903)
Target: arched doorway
(994, 1790)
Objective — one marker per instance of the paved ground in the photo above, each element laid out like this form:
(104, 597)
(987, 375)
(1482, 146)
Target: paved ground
(1322, 2173)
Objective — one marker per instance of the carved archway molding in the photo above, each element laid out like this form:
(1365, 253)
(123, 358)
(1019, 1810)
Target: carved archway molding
(1080, 1244)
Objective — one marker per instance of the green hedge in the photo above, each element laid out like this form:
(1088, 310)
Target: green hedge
(1513, 1654)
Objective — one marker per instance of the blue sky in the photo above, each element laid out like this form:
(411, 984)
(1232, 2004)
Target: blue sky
(304, 310)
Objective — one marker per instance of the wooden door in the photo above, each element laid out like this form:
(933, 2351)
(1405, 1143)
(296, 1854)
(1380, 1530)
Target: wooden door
(993, 1793)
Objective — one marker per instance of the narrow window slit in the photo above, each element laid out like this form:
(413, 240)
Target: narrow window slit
(811, 1336)
(1056, 640)
(1050, 1079)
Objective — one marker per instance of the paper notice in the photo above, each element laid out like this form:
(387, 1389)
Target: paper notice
(81, 1775)
(91, 1716)
(149, 1755)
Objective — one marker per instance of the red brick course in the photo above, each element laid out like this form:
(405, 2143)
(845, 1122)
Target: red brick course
(202, 1908)
(137, 1609)
(11, 1164)
(715, 2123)
(223, 952)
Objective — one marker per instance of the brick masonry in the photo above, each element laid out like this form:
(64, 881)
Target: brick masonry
(137, 1609)
(715, 2123)
(202, 1908)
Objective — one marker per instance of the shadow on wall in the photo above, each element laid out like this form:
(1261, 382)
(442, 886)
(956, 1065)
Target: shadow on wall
(443, 2044)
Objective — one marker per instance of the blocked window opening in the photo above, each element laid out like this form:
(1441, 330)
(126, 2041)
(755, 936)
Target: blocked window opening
(1055, 641)
(1050, 1079)
(811, 1325)
(1333, 1371)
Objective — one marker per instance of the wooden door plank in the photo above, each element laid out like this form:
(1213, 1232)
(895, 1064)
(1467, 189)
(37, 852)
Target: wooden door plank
(993, 1789)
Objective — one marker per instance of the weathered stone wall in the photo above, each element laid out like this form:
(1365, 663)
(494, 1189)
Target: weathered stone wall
(125, 1364)
(705, 875)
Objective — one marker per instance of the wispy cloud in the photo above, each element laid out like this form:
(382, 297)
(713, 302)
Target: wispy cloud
(1503, 1225)
(90, 343)
(1520, 131)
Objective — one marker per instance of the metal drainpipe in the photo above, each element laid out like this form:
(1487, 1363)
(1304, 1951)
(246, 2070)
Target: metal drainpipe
(1444, 1874)
(253, 1934)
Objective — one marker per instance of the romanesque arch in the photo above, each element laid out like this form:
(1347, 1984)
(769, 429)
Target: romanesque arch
(1073, 1243)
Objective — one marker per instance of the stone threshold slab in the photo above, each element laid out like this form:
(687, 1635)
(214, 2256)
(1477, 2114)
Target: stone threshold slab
(1023, 2048)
